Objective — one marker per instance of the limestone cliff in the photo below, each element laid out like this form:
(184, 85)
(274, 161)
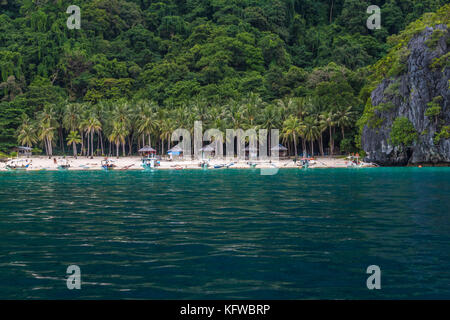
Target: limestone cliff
(419, 83)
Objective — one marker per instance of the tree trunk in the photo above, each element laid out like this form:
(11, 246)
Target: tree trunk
(117, 149)
(321, 144)
(46, 146)
(101, 141)
(82, 143)
(88, 144)
(303, 147)
(312, 148)
(123, 148)
(342, 129)
(295, 146)
(92, 143)
(74, 149)
(331, 141)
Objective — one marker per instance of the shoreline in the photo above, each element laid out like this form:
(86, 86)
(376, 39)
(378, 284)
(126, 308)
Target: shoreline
(43, 163)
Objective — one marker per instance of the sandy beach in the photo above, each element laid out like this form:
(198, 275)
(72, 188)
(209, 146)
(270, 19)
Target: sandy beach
(134, 163)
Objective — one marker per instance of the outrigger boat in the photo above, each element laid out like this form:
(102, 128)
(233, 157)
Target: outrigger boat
(63, 164)
(18, 164)
(354, 161)
(305, 163)
(150, 162)
(204, 164)
(108, 164)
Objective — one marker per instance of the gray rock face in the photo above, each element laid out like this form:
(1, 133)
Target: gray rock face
(413, 91)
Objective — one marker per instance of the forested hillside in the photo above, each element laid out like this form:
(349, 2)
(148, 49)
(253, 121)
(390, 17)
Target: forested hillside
(136, 70)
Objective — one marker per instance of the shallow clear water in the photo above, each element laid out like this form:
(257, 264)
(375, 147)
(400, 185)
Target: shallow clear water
(226, 234)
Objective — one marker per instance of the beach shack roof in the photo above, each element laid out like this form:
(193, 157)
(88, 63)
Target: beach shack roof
(147, 149)
(279, 148)
(209, 148)
(175, 149)
(24, 148)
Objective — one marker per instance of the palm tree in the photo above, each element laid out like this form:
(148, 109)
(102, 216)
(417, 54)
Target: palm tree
(118, 136)
(46, 127)
(252, 105)
(166, 129)
(72, 139)
(329, 119)
(26, 133)
(311, 131)
(93, 125)
(344, 118)
(322, 125)
(146, 122)
(270, 119)
(292, 127)
(46, 134)
(285, 106)
(122, 113)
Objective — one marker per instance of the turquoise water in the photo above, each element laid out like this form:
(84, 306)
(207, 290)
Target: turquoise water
(226, 234)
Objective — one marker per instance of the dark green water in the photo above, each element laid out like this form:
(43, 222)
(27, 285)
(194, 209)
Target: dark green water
(226, 234)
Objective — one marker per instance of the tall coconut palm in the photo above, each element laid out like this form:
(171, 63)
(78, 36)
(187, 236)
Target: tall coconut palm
(46, 133)
(73, 139)
(146, 122)
(123, 114)
(46, 127)
(251, 107)
(270, 119)
(26, 133)
(344, 118)
(118, 135)
(292, 128)
(311, 131)
(92, 125)
(285, 106)
(166, 129)
(329, 118)
(322, 125)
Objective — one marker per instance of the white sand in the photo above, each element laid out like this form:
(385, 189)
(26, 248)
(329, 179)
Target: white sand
(83, 163)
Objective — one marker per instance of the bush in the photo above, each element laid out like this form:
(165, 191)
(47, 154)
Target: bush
(403, 132)
(347, 146)
(36, 151)
(444, 134)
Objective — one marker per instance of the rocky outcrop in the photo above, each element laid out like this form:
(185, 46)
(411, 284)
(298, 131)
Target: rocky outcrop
(408, 95)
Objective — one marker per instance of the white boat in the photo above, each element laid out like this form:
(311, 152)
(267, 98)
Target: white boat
(108, 164)
(150, 162)
(63, 164)
(18, 164)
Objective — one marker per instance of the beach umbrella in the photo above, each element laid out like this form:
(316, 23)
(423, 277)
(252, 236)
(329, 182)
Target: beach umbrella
(147, 149)
(209, 148)
(279, 148)
(175, 149)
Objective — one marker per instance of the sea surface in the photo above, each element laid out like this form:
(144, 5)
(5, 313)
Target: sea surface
(226, 234)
